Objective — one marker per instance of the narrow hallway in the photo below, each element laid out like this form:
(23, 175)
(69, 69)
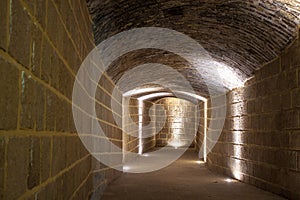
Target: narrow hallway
(88, 88)
(187, 178)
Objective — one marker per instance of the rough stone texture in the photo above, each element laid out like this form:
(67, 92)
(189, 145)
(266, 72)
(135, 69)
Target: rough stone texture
(3, 24)
(200, 130)
(180, 124)
(9, 96)
(42, 45)
(135, 123)
(244, 35)
(133, 59)
(259, 143)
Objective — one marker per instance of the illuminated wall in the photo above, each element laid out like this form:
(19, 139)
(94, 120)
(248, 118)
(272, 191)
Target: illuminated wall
(260, 141)
(180, 123)
(139, 115)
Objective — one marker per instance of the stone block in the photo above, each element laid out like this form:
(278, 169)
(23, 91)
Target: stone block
(272, 85)
(40, 14)
(30, 5)
(9, 96)
(290, 119)
(32, 104)
(298, 162)
(73, 146)
(36, 51)
(271, 69)
(287, 80)
(2, 162)
(69, 184)
(19, 46)
(51, 106)
(54, 27)
(251, 106)
(295, 140)
(294, 181)
(261, 88)
(286, 99)
(52, 191)
(45, 158)
(294, 56)
(296, 98)
(17, 166)
(61, 115)
(48, 55)
(58, 154)
(34, 163)
(298, 77)
(3, 24)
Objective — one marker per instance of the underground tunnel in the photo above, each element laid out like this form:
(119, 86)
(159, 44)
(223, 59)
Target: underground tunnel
(157, 99)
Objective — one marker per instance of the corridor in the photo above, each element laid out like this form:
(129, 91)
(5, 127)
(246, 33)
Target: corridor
(187, 178)
(149, 99)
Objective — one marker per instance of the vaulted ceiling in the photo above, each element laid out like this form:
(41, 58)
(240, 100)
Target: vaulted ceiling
(242, 35)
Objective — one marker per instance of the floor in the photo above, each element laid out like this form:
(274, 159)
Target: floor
(185, 179)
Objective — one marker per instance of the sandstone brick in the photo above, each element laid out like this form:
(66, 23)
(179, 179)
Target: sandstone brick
(69, 183)
(73, 147)
(286, 100)
(287, 80)
(45, 150)
(2, 161)
(296, 98)
(261, 88)
(3, 24)
(295, 140)
(32, 104)
(294, 57)
(36, 51)
(272, 85)
(9, 95)
(54, 25)
(51, 106)
(17, 166)
(53, 190)
(47, 61)
(61, 116)
(34, 163)
(40, 14)
(30, 5)
(58, 155)
(290, 119)
(251, 107)
(271, 69)
(294, 181)
(298, 162)
(19, 46)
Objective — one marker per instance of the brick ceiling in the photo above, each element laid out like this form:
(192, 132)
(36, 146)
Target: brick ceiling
(242, 35)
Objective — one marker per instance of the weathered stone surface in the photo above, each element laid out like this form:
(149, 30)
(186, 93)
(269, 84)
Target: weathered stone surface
(267, 145)
(45, 162)
(9, 95)
(32, 104)
(58, 155)
(17, 166)
(3, 24)
(34, 163)
(19, 46)
(2, 162)
(243, 35)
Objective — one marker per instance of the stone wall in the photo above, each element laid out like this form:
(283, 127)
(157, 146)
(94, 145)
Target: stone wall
(180, 122)
(42, 45)
(200, 131)
(138, 122)
(260, 141)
